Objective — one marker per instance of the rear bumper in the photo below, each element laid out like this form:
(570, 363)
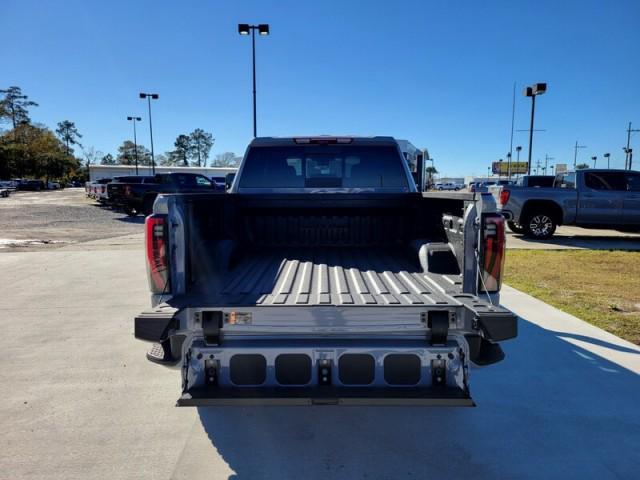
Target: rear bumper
(327, 372)
(354, 396)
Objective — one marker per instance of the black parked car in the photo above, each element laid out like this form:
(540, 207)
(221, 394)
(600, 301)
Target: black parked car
(139, 197)
(31, 185)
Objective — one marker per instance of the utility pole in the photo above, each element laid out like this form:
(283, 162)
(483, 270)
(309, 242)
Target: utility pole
(627, 151)
(575, 153)
(546, 162)
(513, 115)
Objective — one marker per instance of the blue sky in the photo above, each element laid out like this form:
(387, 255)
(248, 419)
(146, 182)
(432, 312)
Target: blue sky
(438, 73)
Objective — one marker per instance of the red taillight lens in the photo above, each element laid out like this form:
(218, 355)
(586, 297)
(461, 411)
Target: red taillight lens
(504, 196)
(157, 253)
(104, 189)
(493, 238)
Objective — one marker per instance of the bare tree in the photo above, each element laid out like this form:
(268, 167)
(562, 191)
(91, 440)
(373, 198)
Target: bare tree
(91, 155)
(226, 159)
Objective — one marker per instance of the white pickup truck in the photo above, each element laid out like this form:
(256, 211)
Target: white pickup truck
(324, 277)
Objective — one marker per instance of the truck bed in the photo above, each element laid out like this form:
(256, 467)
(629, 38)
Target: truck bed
(325, 276)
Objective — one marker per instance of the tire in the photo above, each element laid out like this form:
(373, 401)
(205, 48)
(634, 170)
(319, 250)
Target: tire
(539, 225)
(130, 211)
(515, 227)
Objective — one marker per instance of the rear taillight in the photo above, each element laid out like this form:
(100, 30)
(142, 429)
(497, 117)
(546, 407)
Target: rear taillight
(127, 189)
(157, 253)
(103, 189)
(492, 261)
(504, 196)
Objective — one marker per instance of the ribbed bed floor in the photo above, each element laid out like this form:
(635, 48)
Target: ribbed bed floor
(327, 276)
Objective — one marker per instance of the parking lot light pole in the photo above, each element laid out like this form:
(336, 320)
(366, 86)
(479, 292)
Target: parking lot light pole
(594, 158)
(533, 91)
(150, 96)
(245, 29)
(135, 139)
(509, 166)
(607, 156)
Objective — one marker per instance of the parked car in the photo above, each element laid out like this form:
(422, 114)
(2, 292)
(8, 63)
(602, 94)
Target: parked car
(447, 186)
(53, 185)
(324, 277)
(139, 197)
(97, 189)
(117, 188)
(591, 198)
(480, 186)
(31, 185)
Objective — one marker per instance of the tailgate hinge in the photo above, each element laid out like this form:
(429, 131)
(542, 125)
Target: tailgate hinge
(438, 322)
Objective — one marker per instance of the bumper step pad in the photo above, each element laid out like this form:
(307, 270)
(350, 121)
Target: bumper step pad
(357, 396)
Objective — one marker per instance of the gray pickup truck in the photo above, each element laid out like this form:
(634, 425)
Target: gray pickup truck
(324, 277)
(590, 198)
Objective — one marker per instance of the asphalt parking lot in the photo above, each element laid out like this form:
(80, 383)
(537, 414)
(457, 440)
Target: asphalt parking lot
(51, 219)
(81, 401)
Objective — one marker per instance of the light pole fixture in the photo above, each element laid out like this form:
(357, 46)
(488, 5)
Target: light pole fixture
(607, 156)
(533, 91)
(149, 97)
(509, 166)
(594, 158)
(135, 139)
(263, 30)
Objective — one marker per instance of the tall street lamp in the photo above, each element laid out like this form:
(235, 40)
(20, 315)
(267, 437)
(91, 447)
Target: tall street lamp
(135, 139)
(149, 97)
(245, 29)
(594, 158)
(533, 91)
(509, 166)
(607, 156)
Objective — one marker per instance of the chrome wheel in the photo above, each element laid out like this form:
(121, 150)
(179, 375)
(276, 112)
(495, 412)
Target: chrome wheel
(541, 225)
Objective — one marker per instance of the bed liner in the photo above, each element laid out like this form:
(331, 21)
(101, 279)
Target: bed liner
(328, 277)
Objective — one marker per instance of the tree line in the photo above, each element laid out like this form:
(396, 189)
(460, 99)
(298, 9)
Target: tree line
(33, 150)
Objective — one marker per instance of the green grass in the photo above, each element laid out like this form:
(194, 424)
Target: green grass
(600, 287)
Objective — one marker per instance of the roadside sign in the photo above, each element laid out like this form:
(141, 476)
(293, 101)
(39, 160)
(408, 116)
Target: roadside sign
(502, 168)
(561, 168)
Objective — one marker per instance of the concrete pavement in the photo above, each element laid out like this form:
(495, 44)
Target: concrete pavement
(80, 401)
(570, 238)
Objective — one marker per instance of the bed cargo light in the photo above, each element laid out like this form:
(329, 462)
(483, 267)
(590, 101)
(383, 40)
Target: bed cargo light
(157, 255)
(492, 262)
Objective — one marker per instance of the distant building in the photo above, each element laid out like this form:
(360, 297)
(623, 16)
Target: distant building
(96, 172)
